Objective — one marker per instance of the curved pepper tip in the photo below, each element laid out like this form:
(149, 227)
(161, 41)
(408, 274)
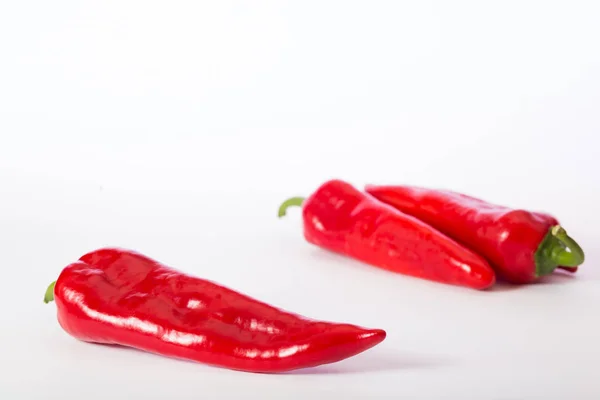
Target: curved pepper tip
(349, 342)
(366, 338)
(374, 336)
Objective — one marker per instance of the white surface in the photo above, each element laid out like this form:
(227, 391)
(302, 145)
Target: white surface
(177, 128)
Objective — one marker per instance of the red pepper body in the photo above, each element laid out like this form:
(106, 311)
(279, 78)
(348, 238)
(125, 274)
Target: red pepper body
(507, 238)
(340, 218)
(122, 297)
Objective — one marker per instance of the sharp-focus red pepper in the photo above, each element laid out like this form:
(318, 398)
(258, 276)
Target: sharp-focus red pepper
(122, 297)
(342, 219)
(521, 245)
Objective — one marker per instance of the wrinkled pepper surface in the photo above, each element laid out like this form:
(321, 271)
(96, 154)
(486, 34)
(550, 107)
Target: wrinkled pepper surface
(340, 218)
(121, 297)
(521, 245)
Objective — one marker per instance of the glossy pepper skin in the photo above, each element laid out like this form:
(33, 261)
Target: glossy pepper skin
(521, 246)
(121, 297)
(342, 219)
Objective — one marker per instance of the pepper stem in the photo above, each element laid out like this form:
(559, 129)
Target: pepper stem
(291, 202)
(49, 296)
(569, 254)
(557, 249)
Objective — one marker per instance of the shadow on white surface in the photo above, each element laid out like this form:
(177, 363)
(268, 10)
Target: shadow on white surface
(334, 260)
(558, 278)
(368, 362)
(378, 362)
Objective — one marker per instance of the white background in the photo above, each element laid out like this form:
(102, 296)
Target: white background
(177, 128)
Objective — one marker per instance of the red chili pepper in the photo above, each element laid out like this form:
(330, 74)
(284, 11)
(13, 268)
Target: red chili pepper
(121, 297)
(344, 220)
(522, 246)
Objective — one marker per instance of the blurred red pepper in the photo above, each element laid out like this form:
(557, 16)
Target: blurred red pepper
(340, 218)
(121, 297)
(521, 245)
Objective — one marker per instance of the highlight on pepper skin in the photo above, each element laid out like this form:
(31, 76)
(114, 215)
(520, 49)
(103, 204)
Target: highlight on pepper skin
(522, 246)
(121, 297)
(340, 218)
(438, 235)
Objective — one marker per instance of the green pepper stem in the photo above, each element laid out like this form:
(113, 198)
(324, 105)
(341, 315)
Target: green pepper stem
(568, 253)
(291, 202)
(557, 250)
(49, 296)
